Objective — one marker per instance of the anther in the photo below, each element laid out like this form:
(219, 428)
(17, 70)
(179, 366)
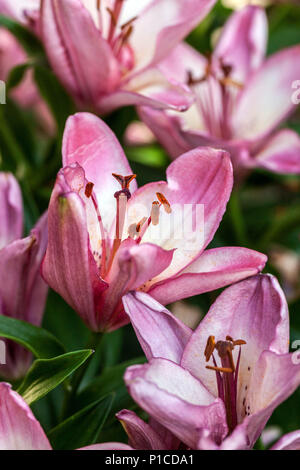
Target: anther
(89, 189)
(163, 200)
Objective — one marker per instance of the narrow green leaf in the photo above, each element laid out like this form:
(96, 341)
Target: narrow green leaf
(37, 340)
(29, 41)
(58, 100)
(46, 374)
(16, 75)
(82, 428)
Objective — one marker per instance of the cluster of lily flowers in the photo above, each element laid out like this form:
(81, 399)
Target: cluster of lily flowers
(97, 246)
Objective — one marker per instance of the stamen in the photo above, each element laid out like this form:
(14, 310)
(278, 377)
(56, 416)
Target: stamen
(226, 374)
(155, 213)
(163, 200)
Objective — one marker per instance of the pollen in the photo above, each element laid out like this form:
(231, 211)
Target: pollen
(89, 189)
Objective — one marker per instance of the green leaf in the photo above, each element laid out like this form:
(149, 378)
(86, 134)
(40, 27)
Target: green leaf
(55, 95)
(46, 374)
(27, 39)
(82, 428)
(16, 75)
(39, 341)
(111, 380)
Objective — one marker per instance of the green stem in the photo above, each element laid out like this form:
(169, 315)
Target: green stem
(288, 220)
(78, 376)
(236, 215)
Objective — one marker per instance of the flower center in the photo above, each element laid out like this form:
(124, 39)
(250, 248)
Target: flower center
(119, 35)
(226, 374)
(136, 231)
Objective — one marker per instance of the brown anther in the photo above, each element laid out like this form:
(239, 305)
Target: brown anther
(230, 82)
(210, 346)
(239, 342)
(163, 200)
(129, 22)
(229, 338)
(89, 189)
(113, 18)
(126, 35)
(220, 369)
(98, 4)
(191, 80)
(140, 224)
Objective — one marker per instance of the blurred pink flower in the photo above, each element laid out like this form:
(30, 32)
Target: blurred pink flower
(107, 238)
(22, 290)
(20, 430)
(106, 53)
(26, 93)
(215, 388)
(242, 98)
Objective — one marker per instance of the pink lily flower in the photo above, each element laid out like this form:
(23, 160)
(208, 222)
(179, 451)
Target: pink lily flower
(22, 290)
(107, 53)
(241, 98)
(107, 238)
(215, 388)
(20, 430)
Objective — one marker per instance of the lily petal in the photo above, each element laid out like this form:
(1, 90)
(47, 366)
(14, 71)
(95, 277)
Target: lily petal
(19, 429)
(214, 269)
(108, 446)
(257, 112)
(141, 435)
(289, 441)
(281, 153)
(89, 142)
(152, 89)
(243, 41)
(197, 206)
(162, 25)
(160, 334)
(11, 209)
(178, 401)
(69, 267)
(80, 57)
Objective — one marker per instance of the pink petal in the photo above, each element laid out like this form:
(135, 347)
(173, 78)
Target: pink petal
(162, 25)
(89, 142)
(214, 269)
(289, 441)
(160, 333)
(176, 400)
(18, 9)
(141, 435)
(133, 266)
(243, 41)
(11, 209)
(108, 446)
(148, 89)
(254, 310)
(181, 61)
(167, 129)
(274, 379)
(19, 429)
(257, 112)
(69, 267)
(281, 153)
(199, 181)
(80, 57)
